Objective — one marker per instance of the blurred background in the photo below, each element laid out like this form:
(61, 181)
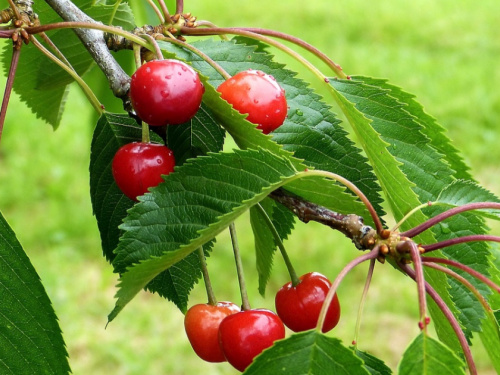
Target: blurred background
(445, 52)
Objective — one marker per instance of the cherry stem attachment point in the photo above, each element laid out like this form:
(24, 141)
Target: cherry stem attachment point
(145, 133)
(277, 239)
(245, 304)
(206, 278)
(342, 274)
(363, 300)
(8, 86)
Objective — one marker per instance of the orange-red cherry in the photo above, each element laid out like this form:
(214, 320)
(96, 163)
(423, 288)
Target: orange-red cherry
(201, 323)
(257, 94)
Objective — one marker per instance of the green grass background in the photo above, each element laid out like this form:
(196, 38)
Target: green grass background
(446, 52)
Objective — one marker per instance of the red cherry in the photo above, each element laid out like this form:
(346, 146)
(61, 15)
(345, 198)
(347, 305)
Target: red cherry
(259, 95)
(244, 335)
(165, 92)
(299, 307)
(202, 328)
(138, 166)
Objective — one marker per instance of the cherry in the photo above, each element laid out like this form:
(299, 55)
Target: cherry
(259, 95)
(165, 92)
(202, 328)
(137, 166)
(244, 335)
(299, 306)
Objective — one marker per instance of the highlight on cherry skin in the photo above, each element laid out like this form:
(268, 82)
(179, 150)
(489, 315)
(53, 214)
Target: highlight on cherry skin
(138, 166)
(166, 92)
(244, 335)
(201, 323)
(257, 94)
(299, 306)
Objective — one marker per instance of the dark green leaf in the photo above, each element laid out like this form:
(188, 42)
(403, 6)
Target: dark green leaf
(374, 365)
(307, 353)
(428, 356)
(30, 337)
(193, 205)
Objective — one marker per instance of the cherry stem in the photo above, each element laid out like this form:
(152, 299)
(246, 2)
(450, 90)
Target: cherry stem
(464, 268)
(145, 133)
(158, 53)
(459, 240)
(85, 88)
(90, 25)
(420, 280)
(277, 239)
(445, 215)
(219, 69)
(450, 317)
(164, 9)
(8, 86)
(245, 304)
(342, 274)
(336, 68)
(261, 34)
(206, 278)
(464, 281)
(54, 48)
(179, 6)
(157, 11)
(363, 300)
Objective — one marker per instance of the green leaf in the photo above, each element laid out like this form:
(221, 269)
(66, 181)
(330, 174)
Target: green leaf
(30, 337)
(490, 337)
(265, 243)
(307, 353)
(461, 192)
(110, 205)
(193, 205)
(374, 365)
(121, 16)
(435, 132)
(428, 356)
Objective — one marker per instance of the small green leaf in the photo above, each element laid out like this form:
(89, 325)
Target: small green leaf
(428, 356)
(307, 353)
(30, 337)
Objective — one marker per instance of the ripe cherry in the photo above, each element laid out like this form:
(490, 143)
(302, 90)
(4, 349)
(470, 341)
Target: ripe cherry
(244, 335)
(299, 306)
(259, 95)
(165, 92)
(202, 328)
(138, 166)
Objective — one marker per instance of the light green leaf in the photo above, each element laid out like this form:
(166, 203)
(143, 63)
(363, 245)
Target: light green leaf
(428, 356)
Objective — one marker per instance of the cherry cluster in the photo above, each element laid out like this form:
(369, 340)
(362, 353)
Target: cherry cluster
(169, 92)
(219, 332)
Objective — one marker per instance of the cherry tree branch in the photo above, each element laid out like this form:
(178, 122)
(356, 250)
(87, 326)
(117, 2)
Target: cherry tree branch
(93, 41)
